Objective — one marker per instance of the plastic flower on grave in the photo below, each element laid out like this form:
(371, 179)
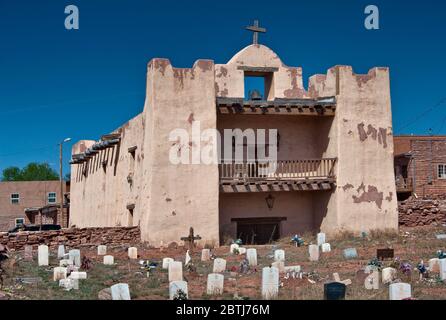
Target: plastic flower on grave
(375, 262)
(421, 267)
(239, 242)
(297, 240)
(441, 254)
(406, 268)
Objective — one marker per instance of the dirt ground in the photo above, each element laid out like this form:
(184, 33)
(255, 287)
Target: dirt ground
(410, 245)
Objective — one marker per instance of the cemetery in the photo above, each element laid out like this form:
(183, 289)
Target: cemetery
(410, 265)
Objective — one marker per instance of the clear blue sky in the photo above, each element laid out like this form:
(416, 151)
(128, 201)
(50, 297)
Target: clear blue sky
(56, 83)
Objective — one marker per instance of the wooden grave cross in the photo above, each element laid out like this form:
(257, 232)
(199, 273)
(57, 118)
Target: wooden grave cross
(191, 238)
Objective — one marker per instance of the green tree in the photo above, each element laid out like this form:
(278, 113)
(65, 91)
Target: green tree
(32, 172)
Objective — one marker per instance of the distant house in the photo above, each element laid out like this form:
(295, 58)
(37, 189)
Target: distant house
(420, 165)
(31, 202)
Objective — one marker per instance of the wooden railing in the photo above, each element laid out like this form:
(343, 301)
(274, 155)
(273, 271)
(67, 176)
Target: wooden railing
(279, 170)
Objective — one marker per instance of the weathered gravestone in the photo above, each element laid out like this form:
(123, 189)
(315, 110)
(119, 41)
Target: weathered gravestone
(280, 265)
(443, 269)
(42, 252)
(219, 265)
(434, 265)
(251, 255)
(313, 250)
(326, 247)
(65, 263)
(388, 275)
(384, 254)
(133, 253)
(441, 236)
(334, 291)
(120, 291)
(400, 291)
(75, 256)
(320, 239)
(270, 283)
(205, 255)
(166, 262)
(372, 281)
(279, 255)
(60, 251)
(78, 275)
(215, 284)
(175, 271)
(177, 289)
(59, 273)
(102, 250)
(350, 253)
(292, 269)
(109, 260)
(241, 250)
(28, 253)
(66, 283)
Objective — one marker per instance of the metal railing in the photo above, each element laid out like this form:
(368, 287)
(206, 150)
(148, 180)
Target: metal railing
(278, 170)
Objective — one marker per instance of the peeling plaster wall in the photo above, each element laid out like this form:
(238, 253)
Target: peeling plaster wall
(366, 192)
(179, 196)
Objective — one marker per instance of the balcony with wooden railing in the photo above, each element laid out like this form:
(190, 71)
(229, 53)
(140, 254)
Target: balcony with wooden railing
(285, 175)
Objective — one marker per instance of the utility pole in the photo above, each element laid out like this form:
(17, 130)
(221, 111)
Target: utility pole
(61, 178)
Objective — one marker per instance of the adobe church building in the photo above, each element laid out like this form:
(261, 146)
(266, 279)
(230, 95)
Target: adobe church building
(334, 170)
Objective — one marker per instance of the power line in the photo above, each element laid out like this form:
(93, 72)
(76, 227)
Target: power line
(424, 113)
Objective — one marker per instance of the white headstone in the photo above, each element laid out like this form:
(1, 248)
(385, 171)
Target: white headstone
(78, 275)
(326, 248)
(241, 250)
(215, 284)
(175, 271)
(400, 291)
(166, 262)
(133, 253)
(293, 269)
(313, 250)
(388, 275)
(60, 251)
(102, 250)
(372, 281)
(66, 283)
(279, 255)
(109, 260)
(270, 283)
(59, 273)
(175, 287)
(188, 258)
(280, 265)
(205, 255)
(219, 265)
(232, 247)
(75, 256)
(65, 263)
(120, 291)
(251, 255)
(443, 269)
(320, 238)
(42, 252)
(434, 265)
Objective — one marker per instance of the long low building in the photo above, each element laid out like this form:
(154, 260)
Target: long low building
(332, 168)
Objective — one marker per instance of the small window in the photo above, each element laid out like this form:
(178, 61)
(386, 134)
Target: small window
(15, 198)
(19, 222)
(52, 197)
(442, 171)
(252, 85)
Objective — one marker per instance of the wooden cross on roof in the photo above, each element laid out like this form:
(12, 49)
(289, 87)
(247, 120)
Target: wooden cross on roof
(191, 238)
(255, 29)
